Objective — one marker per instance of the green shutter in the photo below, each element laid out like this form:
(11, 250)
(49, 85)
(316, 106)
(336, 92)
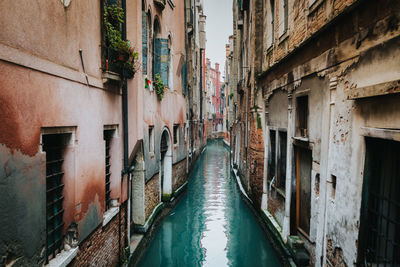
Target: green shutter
(161, 54)
(144, 42)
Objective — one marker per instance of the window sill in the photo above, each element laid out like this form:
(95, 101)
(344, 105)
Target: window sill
(64, 258)
(301, 139)
(111, 76)
(109, 214)
(284, 36)
(314, 6)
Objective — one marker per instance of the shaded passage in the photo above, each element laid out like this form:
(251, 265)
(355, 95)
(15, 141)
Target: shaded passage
(211, 226)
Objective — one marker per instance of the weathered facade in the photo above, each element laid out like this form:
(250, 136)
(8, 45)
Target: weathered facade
(316, 124)
(88, 153)
(195, 47)
(214, 98)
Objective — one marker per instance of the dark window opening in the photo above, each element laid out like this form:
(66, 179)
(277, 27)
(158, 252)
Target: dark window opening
(54, 145)
(333, 190)
(176, 134)
(272, 2)
(151, 138)
(380, 208)
(108, 135)
(302, 116)
(272, 155)
(281, 182)
(317, 182)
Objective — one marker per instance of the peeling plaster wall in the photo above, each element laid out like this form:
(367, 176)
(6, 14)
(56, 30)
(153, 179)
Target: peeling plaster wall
(22, 205)
(360, 49)
(44, 86)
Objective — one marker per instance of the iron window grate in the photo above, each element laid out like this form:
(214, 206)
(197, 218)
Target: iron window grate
(107, 138)
(380, 241)
(54, 145)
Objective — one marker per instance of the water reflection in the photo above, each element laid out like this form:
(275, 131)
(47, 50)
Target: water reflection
(211, 226)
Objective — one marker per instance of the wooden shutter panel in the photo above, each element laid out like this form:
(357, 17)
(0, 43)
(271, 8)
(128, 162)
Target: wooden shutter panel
(161, 59)
(144, 42)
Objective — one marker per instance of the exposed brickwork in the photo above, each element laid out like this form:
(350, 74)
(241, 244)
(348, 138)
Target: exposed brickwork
(152, 192)
(334, 256)
(101, 247)
(178, 174)
(304, 21)
(256, 160)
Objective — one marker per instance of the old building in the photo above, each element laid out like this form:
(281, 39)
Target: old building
(315, 124)
(214, 99)
(196, 67)
(93, 125)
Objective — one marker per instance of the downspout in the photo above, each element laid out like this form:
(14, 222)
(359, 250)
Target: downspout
(125, 142)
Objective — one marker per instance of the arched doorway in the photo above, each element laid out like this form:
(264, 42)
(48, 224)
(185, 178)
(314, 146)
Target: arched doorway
(166, 165)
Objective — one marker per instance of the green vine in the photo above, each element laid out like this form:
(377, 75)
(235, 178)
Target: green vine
(230, 95)
(113, 20)
(159, 87)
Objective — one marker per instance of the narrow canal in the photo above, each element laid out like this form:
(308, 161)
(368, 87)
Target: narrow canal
(211, 226)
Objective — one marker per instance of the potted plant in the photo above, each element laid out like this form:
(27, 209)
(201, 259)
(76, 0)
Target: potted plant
(159, 86)
(120, 52)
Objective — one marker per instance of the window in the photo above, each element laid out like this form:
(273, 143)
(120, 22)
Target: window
(333, 189)
(151, 139)
(272, 154)
(160, 53)
(108, 135)
(380, 208)
(145, 30)
(176, 134)
(170, 63)
(54, 145)
(283, 17)
(109, 55)
(270, 23)
(302, 116)
(281, 182)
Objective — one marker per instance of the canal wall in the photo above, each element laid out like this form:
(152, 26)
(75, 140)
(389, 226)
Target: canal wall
(101, 247)
(155, 216)
(268, 226)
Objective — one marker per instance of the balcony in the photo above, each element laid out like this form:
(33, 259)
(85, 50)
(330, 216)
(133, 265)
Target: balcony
(160, 4)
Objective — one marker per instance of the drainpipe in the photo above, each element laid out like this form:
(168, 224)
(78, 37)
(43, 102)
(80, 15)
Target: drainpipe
(125, 142)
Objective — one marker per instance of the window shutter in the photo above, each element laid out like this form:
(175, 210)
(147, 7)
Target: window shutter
(281, 18)
(144, 42)
(161, 59)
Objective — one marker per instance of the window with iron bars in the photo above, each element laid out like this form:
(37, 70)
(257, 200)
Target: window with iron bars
(108, 134)
(54, 146)
(380, 209)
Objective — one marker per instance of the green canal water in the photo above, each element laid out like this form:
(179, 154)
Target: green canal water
(211, 225)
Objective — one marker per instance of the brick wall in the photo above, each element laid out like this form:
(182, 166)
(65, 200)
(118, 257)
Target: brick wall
(101, 247)
(256, 160)
(303, 23)
(152, 194)
(179, 176)
(334, 255)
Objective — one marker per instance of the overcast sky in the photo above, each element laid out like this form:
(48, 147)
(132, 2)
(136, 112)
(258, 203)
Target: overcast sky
(218, 28)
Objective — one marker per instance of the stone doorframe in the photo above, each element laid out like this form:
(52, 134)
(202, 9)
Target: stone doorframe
(165, 165)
